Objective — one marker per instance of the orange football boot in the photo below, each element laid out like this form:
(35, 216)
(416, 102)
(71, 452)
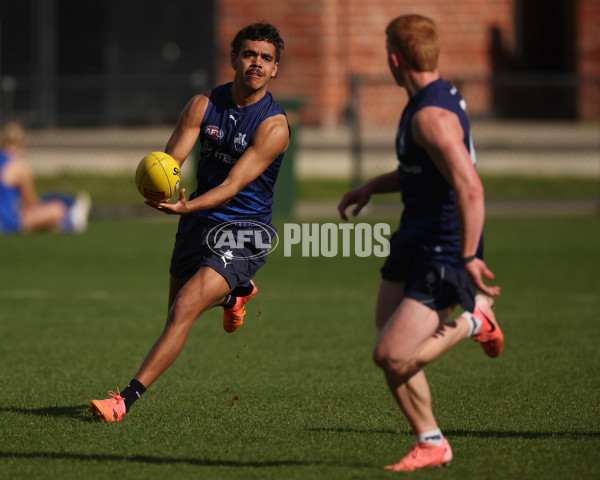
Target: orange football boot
(109, 410)
(490, 336)
(424, 455)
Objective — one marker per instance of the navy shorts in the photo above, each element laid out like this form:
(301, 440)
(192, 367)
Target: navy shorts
(235, 251)
(434, 284)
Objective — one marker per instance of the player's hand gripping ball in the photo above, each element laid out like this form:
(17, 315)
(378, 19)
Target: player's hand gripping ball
(158, 177)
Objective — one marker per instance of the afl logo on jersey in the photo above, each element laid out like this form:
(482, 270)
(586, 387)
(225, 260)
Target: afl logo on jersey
(213, 132)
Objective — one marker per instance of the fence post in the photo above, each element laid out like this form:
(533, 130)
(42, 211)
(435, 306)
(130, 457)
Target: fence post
(353, 120)
(285, 188)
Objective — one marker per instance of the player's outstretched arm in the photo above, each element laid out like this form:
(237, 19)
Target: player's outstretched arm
(360, 196)
(270, 140)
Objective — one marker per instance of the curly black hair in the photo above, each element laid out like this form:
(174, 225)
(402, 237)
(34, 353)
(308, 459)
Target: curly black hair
(257, 32)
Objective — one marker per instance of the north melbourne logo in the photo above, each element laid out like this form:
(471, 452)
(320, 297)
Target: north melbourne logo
(239, 143)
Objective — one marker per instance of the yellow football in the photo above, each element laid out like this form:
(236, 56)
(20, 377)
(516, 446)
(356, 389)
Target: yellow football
(158, 177)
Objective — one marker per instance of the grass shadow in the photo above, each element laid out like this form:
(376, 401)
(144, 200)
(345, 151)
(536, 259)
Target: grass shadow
(81, 412)
(152, 459)
(352, 430)
(524, 435)
(68, 411)
(468, 433)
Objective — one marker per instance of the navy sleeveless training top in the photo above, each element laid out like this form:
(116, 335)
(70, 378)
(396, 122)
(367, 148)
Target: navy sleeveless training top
(227, 131)
(10, 201)
(429, 221)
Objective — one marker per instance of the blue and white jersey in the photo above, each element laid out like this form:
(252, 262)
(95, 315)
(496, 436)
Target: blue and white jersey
(227, 131)
(429, 221)
(10, 201)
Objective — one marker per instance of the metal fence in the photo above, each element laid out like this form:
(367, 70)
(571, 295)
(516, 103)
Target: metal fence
(519, 126)
(359, 149)
(93, 100)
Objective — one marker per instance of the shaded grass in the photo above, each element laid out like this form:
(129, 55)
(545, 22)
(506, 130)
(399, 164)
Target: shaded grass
(104, 189)
(497, 187)
(293, 393)
(120, 189)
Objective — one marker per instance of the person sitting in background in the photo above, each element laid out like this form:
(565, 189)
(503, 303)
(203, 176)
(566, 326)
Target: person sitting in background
(21, 210)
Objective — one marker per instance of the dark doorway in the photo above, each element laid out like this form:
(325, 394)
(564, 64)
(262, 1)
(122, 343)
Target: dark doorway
(538, 80)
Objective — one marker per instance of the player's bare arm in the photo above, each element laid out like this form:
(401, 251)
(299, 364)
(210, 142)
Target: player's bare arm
(270, 140)
(19, 174)
(360, 196)
(187, 130)
(439, 132)
(185, 135)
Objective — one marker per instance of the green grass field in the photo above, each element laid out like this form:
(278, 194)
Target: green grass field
(293, 394)
(119, 189)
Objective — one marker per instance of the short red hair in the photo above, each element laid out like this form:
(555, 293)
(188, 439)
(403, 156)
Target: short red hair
(416, 38)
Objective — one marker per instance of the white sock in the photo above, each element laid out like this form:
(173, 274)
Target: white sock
(434, 437)
(474, 322)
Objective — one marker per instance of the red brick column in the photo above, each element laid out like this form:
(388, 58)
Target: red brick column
(588, 58)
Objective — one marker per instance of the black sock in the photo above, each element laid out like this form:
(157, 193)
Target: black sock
(229, 301)
(243, 291)
(132, 392)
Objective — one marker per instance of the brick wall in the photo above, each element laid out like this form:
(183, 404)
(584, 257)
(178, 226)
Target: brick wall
(327, 41)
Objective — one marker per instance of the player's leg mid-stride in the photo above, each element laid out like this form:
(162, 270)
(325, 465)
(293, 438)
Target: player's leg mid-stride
(234, 317)
(434, 450)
